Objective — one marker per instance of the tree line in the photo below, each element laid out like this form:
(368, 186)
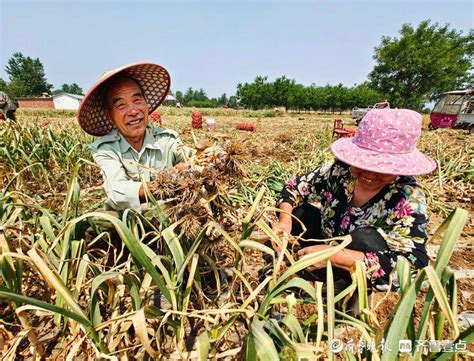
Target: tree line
(409, 71)
(199, 99)
(262, 93)
(28, 79)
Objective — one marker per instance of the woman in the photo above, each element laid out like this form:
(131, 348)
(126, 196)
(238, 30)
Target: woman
(368, 192)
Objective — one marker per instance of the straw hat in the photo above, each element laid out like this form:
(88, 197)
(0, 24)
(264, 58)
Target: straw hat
(154, 81)
(385, 142)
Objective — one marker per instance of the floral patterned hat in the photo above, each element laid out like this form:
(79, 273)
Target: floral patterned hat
(385, 142)
(153, 79)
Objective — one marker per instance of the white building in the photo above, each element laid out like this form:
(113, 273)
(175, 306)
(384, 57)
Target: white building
(67, 101)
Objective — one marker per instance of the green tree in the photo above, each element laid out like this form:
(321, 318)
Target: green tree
(233, 101)
(256, 95)
(75, 89)
(200, 95)
(282, 89)
(298, 97)
(363, 95)
(16, 89)
(223, 99)
(71, 89)
(180, 96)
(27, 75)
(422, 63)
(188, 96)
(317, 98)
(3, 85)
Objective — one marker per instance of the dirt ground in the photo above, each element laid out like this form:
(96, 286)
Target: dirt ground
(293, 140)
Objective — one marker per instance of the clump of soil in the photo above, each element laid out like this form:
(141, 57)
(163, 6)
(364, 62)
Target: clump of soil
(462, 258)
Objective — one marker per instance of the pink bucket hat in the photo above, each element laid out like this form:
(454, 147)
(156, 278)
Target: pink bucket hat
(385, 142)
(154, 81)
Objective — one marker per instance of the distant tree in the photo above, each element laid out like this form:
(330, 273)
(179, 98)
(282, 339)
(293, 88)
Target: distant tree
(341, 98)
(421, 63)
(233, 101)
(256, 95)
(16, 89)
(27, 75)
(317, 97)
(180, 96)
(3, 85)
(71, 89)
(200, 95)
(282, 90)
(188, 96)
(223, 99)
(75, 89)
(298, 97)
(363, 95)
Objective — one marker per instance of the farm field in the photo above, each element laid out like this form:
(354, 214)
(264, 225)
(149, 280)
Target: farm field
(194, 286)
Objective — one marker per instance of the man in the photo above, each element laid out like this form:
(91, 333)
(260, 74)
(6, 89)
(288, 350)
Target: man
(116, 108)
(8, 106)
(383, 104)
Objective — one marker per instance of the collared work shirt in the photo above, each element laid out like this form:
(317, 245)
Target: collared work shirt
(123, 168)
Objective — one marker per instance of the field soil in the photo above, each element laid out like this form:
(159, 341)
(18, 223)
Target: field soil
(281, 147)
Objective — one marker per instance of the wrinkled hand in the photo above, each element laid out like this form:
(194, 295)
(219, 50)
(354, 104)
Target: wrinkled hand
(181, 166)
(308, 250)
(202, 144)
(282, 228)
(220, 159)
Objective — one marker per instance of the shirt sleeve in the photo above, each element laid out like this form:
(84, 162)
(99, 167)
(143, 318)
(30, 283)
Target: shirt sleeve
(121, 191)
(308, 187)
(182, 153)
(179, 152)
(405, 232)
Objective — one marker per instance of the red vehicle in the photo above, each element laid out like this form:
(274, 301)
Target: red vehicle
(454, 109)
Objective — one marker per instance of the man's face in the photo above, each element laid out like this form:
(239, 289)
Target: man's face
(127, 108)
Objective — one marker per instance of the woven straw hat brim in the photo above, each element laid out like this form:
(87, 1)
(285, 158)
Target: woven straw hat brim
(154, 80)
(408, 164)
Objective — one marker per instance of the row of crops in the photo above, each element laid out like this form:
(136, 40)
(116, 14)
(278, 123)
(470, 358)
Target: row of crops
(77, 282)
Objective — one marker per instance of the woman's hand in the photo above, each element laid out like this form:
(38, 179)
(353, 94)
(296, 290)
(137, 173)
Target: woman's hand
(282, 227)
(344, 259)
(311, 249)
(284, 220)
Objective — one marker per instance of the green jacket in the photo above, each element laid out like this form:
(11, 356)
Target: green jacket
(123, 168)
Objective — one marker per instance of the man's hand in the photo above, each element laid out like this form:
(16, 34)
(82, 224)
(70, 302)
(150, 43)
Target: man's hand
(202, 144)
(181, 166)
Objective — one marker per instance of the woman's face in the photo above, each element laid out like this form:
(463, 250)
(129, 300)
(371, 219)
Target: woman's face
(371, 180)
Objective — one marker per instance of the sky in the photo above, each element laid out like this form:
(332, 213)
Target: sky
(214, 45)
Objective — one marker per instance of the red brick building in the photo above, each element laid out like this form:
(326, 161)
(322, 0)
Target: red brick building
(36, 102)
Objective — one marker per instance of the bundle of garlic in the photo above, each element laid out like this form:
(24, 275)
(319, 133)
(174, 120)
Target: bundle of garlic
(191, 195)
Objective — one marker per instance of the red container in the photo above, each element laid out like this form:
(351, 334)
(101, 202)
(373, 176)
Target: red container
(156, 117)
(440, 120)
(246, 126)
(196, 122)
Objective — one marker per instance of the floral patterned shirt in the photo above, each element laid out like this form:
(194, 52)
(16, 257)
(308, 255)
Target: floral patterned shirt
(398, 212)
